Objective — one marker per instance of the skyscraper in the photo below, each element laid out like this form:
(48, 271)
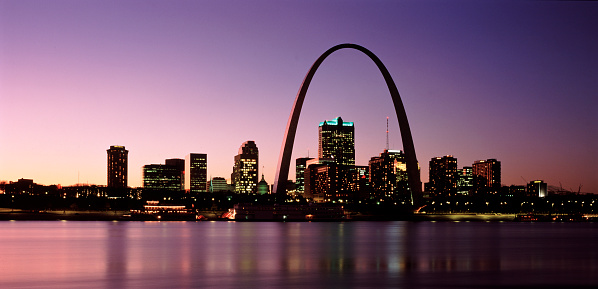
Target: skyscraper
(336, 141)
(245, 169)
(443, 176)
(300, 165)
(487, 175)
(179, 164)
(465, 181)
(322, 181)
(117, 166)
(388, 173)
(196, 172)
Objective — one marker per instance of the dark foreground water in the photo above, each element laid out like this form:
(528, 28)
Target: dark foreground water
(55, 254)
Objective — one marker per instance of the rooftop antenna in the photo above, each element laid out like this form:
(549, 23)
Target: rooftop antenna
(387, 146)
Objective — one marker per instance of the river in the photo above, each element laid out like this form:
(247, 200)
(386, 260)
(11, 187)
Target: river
(85, 254)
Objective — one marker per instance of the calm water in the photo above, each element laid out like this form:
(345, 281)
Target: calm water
(56, 254)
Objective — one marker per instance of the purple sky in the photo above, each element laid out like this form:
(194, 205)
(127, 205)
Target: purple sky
(516, 81)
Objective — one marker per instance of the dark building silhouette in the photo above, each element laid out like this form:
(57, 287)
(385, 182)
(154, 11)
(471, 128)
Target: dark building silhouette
(443, 176)
(161, 177)
(300, 165)
(388, 173)
(179, 164)
(117, 166)
(245, 169)
(336, 141)
(486, 175)
(196, 172)
(514, 191)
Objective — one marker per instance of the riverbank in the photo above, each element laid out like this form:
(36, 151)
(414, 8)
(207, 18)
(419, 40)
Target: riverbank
(7, 214)
(72, 215)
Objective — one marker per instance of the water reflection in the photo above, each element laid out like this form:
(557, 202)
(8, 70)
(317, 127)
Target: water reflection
(296, 255)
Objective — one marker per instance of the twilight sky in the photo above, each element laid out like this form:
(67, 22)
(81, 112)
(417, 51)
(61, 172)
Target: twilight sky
(511, 80)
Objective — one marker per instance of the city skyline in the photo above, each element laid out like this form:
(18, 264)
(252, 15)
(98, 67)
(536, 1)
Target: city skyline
(509, 81)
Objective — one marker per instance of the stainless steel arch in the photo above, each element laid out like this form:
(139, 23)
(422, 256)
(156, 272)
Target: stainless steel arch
(289, 135)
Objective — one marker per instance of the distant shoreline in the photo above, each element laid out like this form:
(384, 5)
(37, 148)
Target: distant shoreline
(7, 214)
(59, 215)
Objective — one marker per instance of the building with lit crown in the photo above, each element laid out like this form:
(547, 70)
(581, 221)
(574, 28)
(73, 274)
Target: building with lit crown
(337, 141)
(245, 170)
(117, 166)
(537, 188)
(196, 172)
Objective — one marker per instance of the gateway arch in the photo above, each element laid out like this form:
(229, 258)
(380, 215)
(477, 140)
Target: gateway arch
(289, 135)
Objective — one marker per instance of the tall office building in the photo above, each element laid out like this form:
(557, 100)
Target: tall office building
(300, 165)
(465, 181)
(244, 176)
(322, 181)
(196, 172)
(117, 166)
(179, 164)
(486, 175)
(336, 141)
(388, 173)
(443, 176)
(161, 177)
(358, 180)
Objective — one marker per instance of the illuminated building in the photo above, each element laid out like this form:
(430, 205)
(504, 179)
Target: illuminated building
(300, 165)
(465, 181)
(443, 176)
(360, 182)
(117, 166)
(336, 141)
(297, 212)
(262, 187)
(326, 181)
(179, 164)
(245, 170)
(196, 172)
(537, 188)
(486, 175)
(321, 181)
(161, 177)
(218, 184)
(514, 191)
(388, 173)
